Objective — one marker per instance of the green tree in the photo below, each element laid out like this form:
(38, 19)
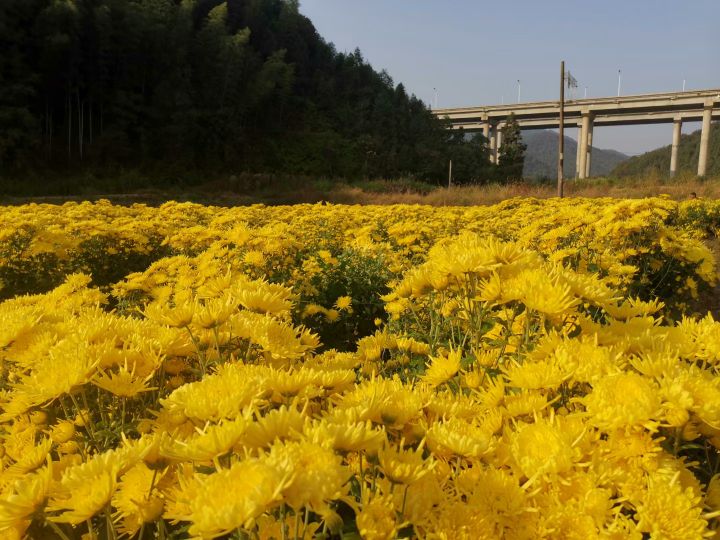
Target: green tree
(470, 159)
(512, 151)
(18, 80)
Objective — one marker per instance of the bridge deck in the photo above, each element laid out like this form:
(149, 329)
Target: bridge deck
(667, 107)
(623, 110)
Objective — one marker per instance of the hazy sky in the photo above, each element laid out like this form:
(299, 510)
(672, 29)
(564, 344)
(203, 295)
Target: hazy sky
(474, 51)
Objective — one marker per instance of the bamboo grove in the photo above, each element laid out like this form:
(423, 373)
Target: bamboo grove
(163, 91)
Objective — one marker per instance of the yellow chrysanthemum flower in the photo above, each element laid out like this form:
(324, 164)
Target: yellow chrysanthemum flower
(457, 437)
(344, 303)
(442, 368)
(206, 445)
(404, 466)
(214, 312)
(264, 298)
(32, 458)
(179, 316)
(123, 382)
(62, 432)
(622, 400)
(669, 511)
(376, 520)
(254, 258)
(542, 448)
(346, 434)
(220, 503)
(317, 474)
(277, 425)
(21, 499)
(137, 500)
(83, 496)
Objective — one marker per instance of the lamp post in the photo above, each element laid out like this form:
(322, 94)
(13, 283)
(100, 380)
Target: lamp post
(572, 84)
(561, 132)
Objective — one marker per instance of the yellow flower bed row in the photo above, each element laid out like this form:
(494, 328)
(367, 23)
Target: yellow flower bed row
(494, 372)
(646, 244)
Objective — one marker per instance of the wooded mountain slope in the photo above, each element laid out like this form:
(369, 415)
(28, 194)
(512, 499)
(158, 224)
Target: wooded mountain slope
(204, 85)
(659, 160)
(541, 156)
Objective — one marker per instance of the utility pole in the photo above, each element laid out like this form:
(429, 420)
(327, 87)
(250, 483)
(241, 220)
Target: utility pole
(561, 139)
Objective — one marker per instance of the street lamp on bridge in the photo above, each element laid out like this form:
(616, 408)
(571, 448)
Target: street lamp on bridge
(571, 83)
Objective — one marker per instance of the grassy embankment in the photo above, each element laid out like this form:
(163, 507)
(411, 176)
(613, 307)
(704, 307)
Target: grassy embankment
(250, 189)
(678, 189)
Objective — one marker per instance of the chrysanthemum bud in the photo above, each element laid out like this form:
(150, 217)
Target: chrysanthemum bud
(82, 418)
(62, 432)
(69, 447)
(38, 417)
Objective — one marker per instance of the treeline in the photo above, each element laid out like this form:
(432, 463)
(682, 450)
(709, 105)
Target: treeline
(658, 161)
(212, 86)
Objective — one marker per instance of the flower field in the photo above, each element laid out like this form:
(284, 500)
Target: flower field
(534, 369)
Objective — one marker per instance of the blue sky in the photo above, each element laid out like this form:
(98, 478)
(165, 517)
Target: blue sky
(474, 52)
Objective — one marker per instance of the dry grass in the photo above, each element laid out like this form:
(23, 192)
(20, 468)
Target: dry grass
(679, 188)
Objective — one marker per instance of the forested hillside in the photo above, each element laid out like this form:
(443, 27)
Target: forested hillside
(205, 85)
(659, 160)
(541, 157)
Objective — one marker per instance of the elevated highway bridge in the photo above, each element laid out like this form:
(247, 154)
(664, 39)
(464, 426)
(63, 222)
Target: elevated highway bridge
(664, 108)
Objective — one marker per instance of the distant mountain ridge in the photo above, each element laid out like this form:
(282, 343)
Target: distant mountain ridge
(659, 160)
(542, 150)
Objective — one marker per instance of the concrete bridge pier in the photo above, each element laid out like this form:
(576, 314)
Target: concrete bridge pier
(705, 139)
(499, 130)
(493, 142)
(585, 137)
(579, 147)
(589, 149)
(677, 131)
(486, 131)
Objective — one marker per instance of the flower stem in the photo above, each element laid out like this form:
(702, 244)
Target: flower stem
(110, 526)
(88, 423)
(402, 510)
(58, 530)
(305, 523)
